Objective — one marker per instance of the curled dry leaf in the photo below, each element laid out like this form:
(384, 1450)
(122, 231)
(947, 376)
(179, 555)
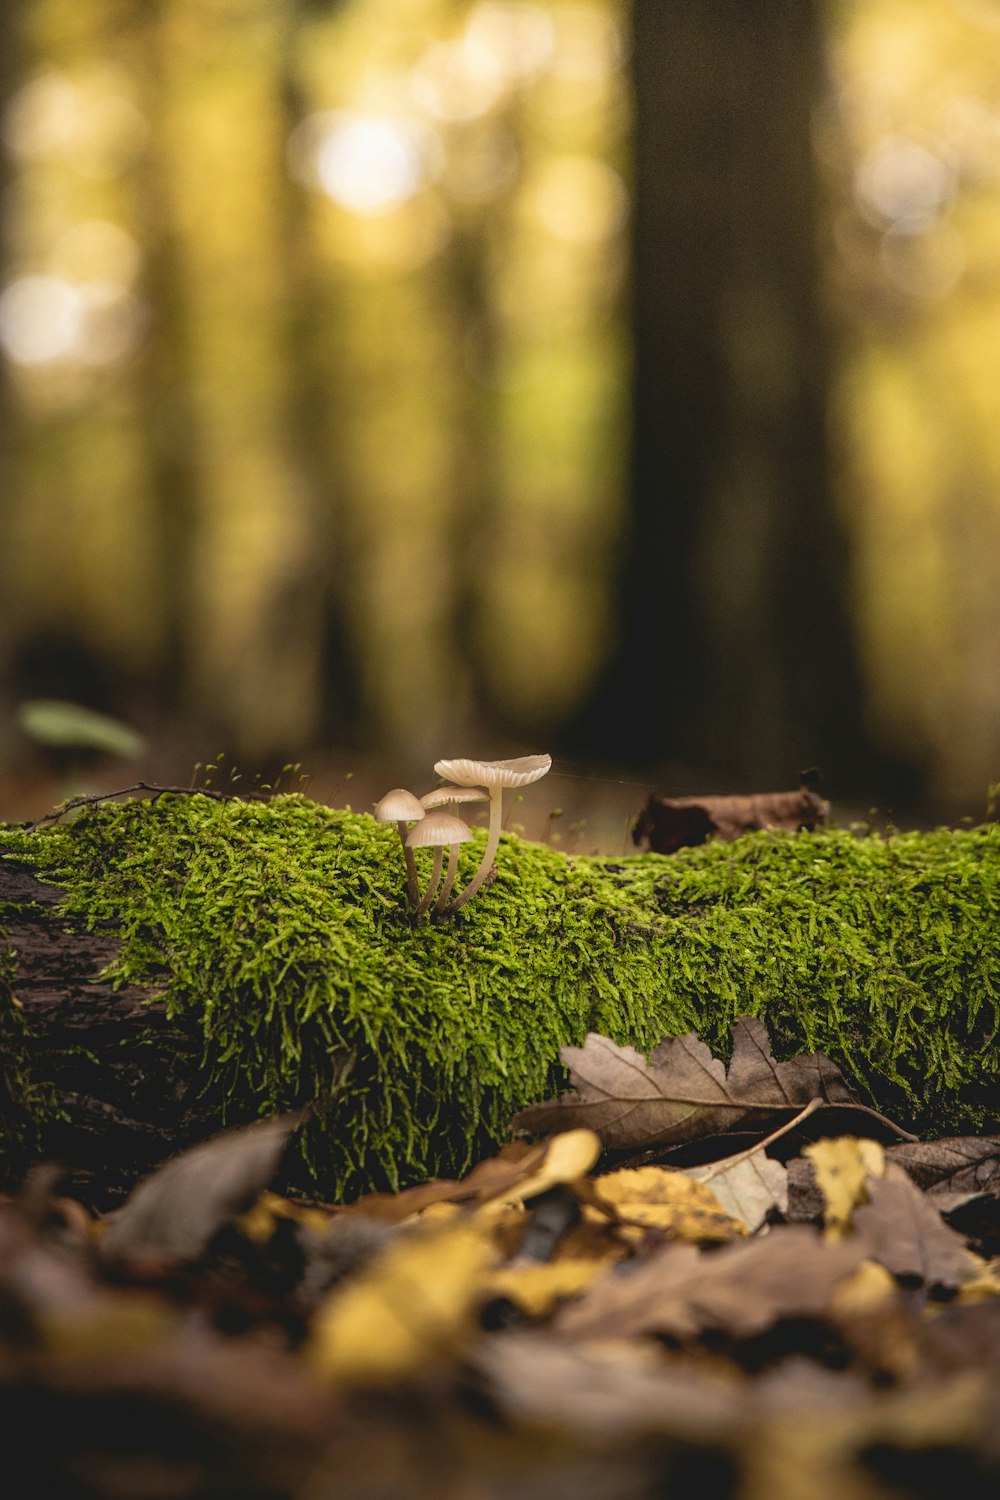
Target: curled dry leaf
(683, 1092)
(670, 823)
(175, 1212)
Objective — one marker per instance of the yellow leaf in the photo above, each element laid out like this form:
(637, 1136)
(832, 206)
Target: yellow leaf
(413, 1304)
(841, 1166)
(537, 1288)
(867, 1290)
(983, 1286)
(569, 1156)
(259, 1221)
(658, 1198)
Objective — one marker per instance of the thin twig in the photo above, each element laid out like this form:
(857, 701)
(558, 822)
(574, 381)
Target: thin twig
(145, 786)
(810, 1108)
(730, 1161)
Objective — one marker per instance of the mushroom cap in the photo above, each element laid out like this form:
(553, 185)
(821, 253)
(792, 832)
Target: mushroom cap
(436, 830)
(443, 795)
(399, 806)
(495, 773)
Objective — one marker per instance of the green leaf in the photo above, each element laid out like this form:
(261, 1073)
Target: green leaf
(51, 721)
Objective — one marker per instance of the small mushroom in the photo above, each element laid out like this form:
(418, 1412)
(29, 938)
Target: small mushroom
(450, 797)
(494, 775)
(434, 831)
(402, 807)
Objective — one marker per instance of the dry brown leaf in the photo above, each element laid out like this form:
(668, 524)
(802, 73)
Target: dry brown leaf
(907, 1235)
(842, 1163)
(600, 1392)
(740, 1290)
(683, 1092)
(670, 823)
(665, 1200)
(961, 1164)
(174, 1213)
(749, 1186)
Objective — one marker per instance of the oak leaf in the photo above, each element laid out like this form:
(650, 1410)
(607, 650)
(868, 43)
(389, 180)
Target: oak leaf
(683, 1093)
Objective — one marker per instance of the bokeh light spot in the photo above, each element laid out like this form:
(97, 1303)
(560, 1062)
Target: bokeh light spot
(903, 184)
(40, 319)
(578, 199)
(366, 163)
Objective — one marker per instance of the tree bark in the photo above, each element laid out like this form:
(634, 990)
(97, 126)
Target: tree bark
(128, 1082)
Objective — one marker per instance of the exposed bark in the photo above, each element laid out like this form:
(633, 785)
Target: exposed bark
(128, 1080)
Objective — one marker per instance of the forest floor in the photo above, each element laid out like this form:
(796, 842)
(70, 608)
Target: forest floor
(678, 1280)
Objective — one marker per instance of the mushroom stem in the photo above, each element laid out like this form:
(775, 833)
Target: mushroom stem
(449, 881)
(412, 882)
(425, 899)
(492, 844)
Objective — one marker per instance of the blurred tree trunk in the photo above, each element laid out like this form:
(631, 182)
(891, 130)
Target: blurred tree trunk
(320, 607)
(736, 650)
(170, 422)
(11, 44)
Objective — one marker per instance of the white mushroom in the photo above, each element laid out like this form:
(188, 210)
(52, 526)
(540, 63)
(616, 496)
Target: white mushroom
(494, 775)
(402, 807)
(434, 831)
(450, 797)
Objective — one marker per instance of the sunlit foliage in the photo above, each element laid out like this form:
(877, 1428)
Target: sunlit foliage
(914, 150)
(312, 317)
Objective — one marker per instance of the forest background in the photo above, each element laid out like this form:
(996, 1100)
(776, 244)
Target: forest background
(389, 379)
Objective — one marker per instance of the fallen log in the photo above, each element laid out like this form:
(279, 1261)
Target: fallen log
(176, 964)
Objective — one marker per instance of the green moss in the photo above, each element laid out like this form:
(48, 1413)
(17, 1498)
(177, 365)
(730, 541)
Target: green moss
(282, 927)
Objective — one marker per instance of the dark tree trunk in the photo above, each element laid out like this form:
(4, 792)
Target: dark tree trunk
(171, 427)
(736, 649)
(318, 611)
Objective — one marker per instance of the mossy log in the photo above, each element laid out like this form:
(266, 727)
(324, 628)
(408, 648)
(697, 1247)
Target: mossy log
(176, 964)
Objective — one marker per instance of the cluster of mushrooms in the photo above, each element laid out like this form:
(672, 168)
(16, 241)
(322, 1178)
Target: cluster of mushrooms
(431, 822)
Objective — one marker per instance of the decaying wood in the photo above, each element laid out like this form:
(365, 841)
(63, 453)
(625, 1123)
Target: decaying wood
(129, 1080)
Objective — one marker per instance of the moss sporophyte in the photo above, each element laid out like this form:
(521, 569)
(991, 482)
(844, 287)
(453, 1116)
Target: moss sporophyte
(282, 930)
